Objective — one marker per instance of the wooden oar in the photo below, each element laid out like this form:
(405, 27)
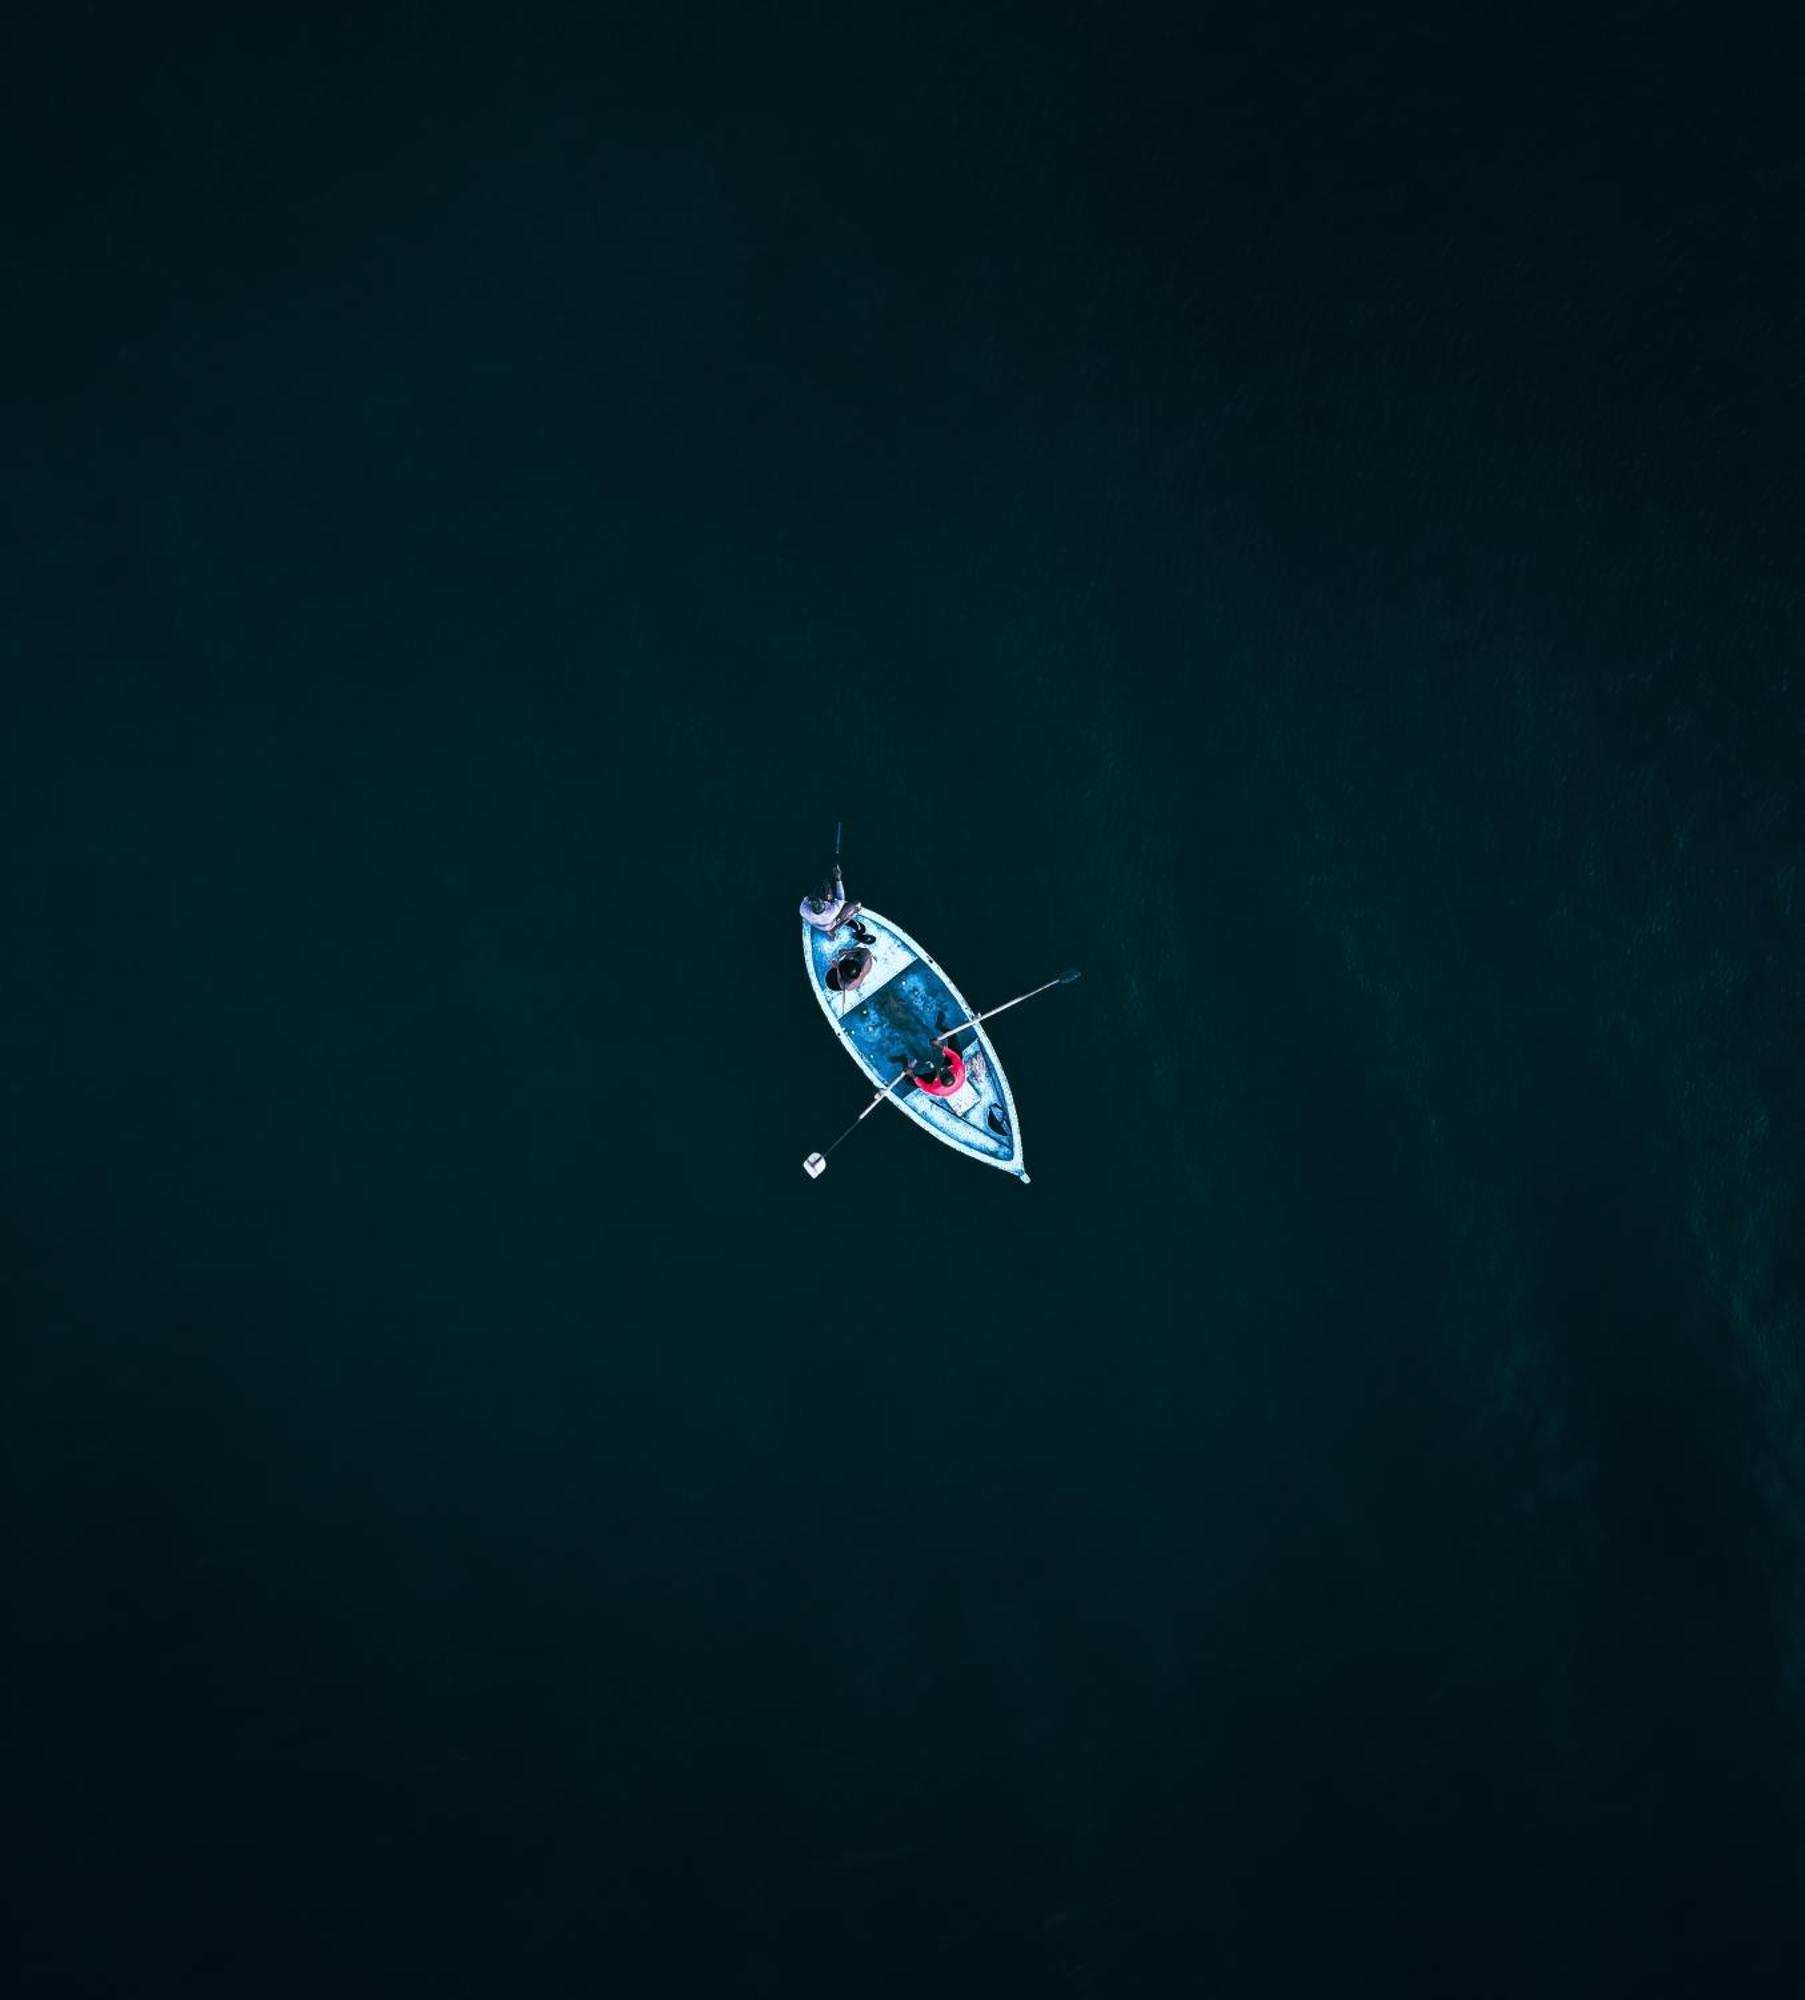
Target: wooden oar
(816, 1163)
(1065, 979)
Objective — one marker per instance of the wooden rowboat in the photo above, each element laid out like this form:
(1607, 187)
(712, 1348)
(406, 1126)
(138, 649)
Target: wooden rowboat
(902, 1006)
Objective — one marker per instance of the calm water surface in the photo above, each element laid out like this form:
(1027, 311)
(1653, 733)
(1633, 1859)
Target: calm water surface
(1300, 523)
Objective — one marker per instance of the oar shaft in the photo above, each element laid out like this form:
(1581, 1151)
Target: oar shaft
(993, 1012)
(869, 1109)
(879, 1098)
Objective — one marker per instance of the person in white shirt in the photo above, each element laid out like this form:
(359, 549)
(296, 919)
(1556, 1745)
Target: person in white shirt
(829, 912)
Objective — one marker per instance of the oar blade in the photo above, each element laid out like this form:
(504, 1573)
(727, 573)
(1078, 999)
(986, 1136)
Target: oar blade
(815, 1166)
(1069, 975)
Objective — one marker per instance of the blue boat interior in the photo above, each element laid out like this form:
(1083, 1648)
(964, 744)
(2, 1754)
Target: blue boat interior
(902, 1018)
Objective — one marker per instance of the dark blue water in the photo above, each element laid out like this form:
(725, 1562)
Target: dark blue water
(1297, 518)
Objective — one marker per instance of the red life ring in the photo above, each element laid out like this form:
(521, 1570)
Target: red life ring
(946, 1089)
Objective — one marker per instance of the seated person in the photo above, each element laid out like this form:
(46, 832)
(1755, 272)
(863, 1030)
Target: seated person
(938, 1069)
(847, 969)
(827, 912)
(830, 911)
